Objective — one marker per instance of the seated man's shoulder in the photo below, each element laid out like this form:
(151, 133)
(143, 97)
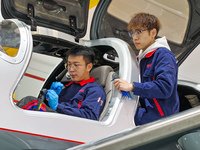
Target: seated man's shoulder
(95, 86)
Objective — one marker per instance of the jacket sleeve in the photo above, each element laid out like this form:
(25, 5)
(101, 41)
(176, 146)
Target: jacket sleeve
(91, 106)
(165, 78)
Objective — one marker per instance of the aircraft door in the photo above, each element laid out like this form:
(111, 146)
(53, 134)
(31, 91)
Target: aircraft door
(15, 52)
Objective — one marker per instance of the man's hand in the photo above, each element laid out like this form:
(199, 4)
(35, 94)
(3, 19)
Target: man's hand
(122, 85)
(57, 87)
(52, 99)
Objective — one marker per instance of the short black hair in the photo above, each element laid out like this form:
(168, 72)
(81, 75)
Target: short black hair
(87, 53)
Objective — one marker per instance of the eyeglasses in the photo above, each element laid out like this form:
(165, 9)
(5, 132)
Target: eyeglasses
(74, 66)
(137, 32)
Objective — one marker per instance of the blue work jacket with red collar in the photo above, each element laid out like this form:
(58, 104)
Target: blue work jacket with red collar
(82, 99)
(158, 87)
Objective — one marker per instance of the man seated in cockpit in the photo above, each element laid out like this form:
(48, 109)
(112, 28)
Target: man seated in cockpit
(82, 97)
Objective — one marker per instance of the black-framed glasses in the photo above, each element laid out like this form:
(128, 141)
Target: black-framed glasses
(137, 32)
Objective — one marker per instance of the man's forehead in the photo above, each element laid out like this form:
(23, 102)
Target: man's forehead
(75, 59)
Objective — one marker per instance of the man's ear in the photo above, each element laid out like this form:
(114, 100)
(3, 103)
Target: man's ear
(154, 32)
(89, 67)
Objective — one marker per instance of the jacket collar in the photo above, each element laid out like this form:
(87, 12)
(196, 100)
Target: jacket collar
(160, 42)
(82, 83)
(150, 54)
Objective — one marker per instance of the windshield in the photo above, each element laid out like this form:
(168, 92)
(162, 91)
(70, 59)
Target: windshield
(167, 12)
(173, 15)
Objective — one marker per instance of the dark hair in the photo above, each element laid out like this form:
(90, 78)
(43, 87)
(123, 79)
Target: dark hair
(86, 52)
(144, 20)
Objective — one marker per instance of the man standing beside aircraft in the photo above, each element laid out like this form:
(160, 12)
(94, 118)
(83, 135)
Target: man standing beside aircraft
(82, 97)
(158, 68)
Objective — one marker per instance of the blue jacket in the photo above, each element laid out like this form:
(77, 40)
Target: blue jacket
(83, 99)
(158, 87)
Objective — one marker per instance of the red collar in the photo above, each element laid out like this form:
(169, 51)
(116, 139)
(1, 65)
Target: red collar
(150, 54)
(82, 83)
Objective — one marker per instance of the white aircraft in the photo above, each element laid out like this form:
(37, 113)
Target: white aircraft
(35, 35)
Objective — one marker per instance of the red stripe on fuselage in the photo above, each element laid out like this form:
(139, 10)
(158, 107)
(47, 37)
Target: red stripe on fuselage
(34, 77)
(41, 135)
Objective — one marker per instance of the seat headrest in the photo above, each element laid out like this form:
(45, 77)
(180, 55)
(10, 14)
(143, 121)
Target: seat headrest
(100, 74)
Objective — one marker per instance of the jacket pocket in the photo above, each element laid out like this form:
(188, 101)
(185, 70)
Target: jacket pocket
(79, 96)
